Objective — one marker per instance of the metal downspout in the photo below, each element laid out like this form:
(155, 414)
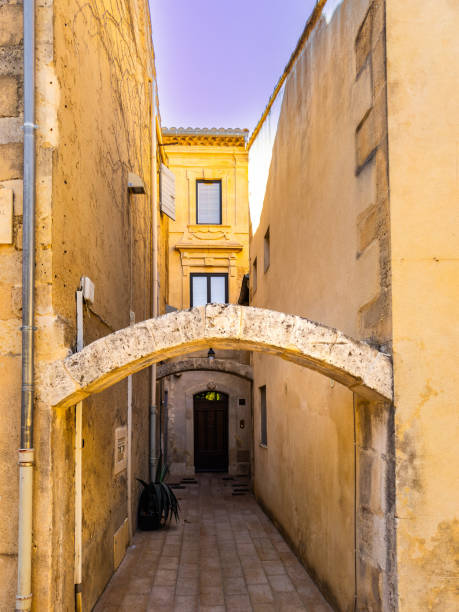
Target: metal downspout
(154, 297)
(78, 573)
(26, 450)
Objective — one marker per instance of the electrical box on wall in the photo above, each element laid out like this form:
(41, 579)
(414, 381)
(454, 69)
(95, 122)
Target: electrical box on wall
(120, 450)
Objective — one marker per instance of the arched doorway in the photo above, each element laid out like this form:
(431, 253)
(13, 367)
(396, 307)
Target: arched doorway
(210, 417)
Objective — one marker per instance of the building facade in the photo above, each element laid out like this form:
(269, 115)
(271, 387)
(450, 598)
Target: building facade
(352, 196)
(94, 72)
(208, 256)
(351, 178)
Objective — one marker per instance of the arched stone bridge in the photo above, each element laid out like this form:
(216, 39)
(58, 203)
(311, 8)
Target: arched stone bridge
(110, 359)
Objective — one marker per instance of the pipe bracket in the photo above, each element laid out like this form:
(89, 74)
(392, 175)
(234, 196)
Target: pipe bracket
(26, 457)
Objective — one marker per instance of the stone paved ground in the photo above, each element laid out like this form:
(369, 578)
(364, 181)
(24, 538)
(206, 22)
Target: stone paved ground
(224, 555)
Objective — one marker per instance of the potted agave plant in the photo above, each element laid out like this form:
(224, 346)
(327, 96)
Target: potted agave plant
(157, 504)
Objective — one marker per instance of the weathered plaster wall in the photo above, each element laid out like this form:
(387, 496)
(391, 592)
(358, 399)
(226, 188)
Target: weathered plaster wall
(10, 273)
(181, 430)
(423, 103)
(326, 207)
(50, 341)
(104, 69)
(93, 83)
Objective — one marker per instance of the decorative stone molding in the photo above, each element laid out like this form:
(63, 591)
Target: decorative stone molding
(227, 366)
(108, 360)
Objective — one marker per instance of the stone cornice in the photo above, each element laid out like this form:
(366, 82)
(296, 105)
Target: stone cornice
(209, 246)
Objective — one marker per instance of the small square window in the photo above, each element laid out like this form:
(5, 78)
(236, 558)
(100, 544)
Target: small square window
(263, 417)
(266, 250)
(209, 202)
(254, 276)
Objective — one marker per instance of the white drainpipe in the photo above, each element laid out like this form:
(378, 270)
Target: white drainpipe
(26, 450)
(78, 468)
(154, 296)
(129, 446)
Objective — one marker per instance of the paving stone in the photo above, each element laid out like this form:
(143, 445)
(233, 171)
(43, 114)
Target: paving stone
(260, 593)
(212, 596)
(227, 557)
(186, 603)
(238, 603)
(274, 568)
(281, 583)
(165, 577)
(255, 575)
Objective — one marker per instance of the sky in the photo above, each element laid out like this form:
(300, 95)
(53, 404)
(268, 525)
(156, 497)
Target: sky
(218, 61)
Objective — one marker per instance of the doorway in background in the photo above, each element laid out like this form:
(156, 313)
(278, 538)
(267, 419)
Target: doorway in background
(210, 431)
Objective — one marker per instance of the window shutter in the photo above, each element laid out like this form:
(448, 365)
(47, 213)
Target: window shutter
(167, 189)
(209, 202)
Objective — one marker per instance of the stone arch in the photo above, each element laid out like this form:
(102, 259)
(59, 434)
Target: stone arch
(108, 360)
(227, 366)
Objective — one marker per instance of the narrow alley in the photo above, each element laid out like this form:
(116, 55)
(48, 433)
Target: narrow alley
(224, 554)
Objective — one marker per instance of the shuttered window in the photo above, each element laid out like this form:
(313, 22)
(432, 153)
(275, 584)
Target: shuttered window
(208, 288)
(167, 191)
(209, 202)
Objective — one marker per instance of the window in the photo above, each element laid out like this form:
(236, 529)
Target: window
(207, 288)
(263, 421)
(209, 202)
(266, 250)
(254, 276)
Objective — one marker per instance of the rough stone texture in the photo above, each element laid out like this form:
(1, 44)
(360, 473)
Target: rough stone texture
(10, 25)
(371, 150)
(8, 96)
(112, 358)
(11, 160)
(98, 56)
(375, 495)
(224, 555)
(329, 262)
(205, 364)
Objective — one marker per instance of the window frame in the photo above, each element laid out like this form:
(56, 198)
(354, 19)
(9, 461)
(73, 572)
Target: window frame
(266, 250)
(263, 416)
(209, 276)
(197, 200)
(254, 275)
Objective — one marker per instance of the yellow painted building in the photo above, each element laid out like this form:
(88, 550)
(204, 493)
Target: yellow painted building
(210, 234)
(208, 256)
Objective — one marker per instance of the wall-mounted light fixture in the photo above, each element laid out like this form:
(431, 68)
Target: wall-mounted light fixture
(135, 184)
(211, 354)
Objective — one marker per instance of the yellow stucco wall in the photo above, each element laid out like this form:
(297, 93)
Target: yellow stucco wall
(423, 103)
(94, 74)
(208, 248)
(328, 261)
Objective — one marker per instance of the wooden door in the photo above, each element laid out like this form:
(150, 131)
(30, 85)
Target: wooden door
(211, 432)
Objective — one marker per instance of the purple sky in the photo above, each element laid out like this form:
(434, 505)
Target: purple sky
(219, 60)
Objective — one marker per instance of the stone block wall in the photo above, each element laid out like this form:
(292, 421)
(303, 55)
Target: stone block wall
(86, 223)
(327, 208)
(371, 166)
